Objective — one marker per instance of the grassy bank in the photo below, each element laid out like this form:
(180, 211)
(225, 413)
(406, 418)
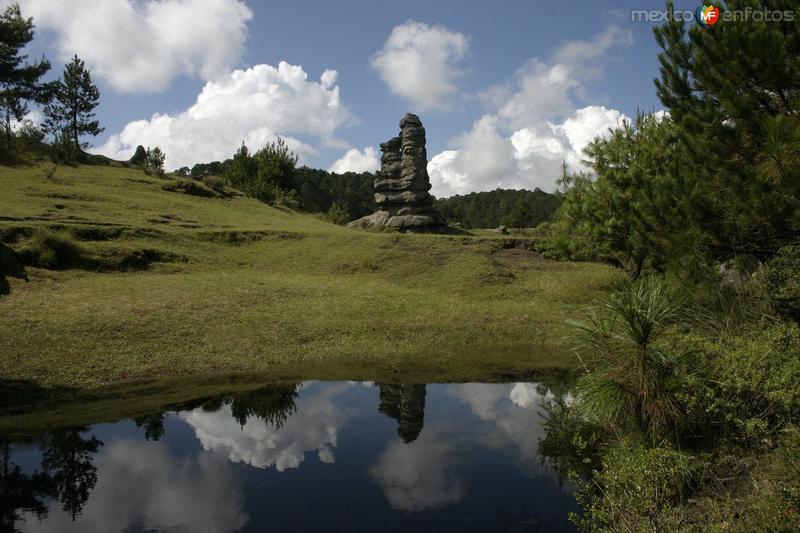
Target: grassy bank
(226, 286)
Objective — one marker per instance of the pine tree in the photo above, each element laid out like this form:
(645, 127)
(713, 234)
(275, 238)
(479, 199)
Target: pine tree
(19, 81)
(154, 162)
(72, 110)
(733, 90)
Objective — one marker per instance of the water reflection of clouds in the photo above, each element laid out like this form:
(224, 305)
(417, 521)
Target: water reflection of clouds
(513, 411)
(314, 427)
(142, 485)
(425, 474)
(421, 475)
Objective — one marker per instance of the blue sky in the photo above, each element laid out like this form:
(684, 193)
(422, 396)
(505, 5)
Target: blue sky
(506, 90)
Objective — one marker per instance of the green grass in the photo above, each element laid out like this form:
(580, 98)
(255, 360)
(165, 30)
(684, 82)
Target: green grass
(254, 289)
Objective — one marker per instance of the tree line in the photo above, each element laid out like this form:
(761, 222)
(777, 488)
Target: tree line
(271, 175)
(510, 207)
(68, 103)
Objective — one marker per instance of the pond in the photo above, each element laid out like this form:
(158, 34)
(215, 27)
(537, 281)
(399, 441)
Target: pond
(318, 456)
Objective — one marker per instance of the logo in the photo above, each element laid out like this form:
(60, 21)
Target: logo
(708, 15)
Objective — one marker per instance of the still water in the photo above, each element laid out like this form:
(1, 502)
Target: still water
(318, 456)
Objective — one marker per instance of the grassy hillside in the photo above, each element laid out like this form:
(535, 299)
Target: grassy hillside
(228, 286)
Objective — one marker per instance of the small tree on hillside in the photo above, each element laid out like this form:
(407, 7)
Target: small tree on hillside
(154, 164)
(72, 110)
(268, 175)
(19, 81)
(276, 164)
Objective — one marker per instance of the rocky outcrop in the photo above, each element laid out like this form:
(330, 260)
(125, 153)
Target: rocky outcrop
(402, 184)
(501, 229)
(139, 157)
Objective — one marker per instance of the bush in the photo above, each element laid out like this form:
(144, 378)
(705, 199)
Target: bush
(190, 187)
(287, 198)
(633, 371)
(54, 250)
(639, 489)
(571, 444)
(30, 139)
(756, 386)
(214, 182)
(337, 215)
(780, 282)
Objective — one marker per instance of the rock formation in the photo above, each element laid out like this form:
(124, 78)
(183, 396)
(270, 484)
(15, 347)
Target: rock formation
(402, 184)
(139, 157)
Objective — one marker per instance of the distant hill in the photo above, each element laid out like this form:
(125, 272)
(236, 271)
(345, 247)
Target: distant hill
(487, 209)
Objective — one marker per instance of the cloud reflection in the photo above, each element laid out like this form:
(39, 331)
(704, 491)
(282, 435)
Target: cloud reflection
(421, 475)
(314, 427)
(512, 411)
(143, 486)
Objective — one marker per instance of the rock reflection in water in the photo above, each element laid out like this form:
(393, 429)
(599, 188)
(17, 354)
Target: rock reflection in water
(406, 404)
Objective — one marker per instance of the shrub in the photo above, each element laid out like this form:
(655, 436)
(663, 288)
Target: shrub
(633, 372)
(571, 444)
(756, 385)
(639, 489)
(190, 187)
(287, 198)
(337, 215)
(30, 138)
(214, 182)
(780, 282)
(55, 250)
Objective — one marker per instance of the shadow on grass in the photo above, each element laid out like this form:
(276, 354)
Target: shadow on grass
(21, 395)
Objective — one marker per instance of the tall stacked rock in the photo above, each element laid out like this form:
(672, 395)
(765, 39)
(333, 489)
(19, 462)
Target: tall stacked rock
(402, 184)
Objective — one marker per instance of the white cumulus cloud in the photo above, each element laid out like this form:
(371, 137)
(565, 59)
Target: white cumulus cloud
(251, 106)
(421, 63)
(141, 45)
(535, 124)
(355, 160)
